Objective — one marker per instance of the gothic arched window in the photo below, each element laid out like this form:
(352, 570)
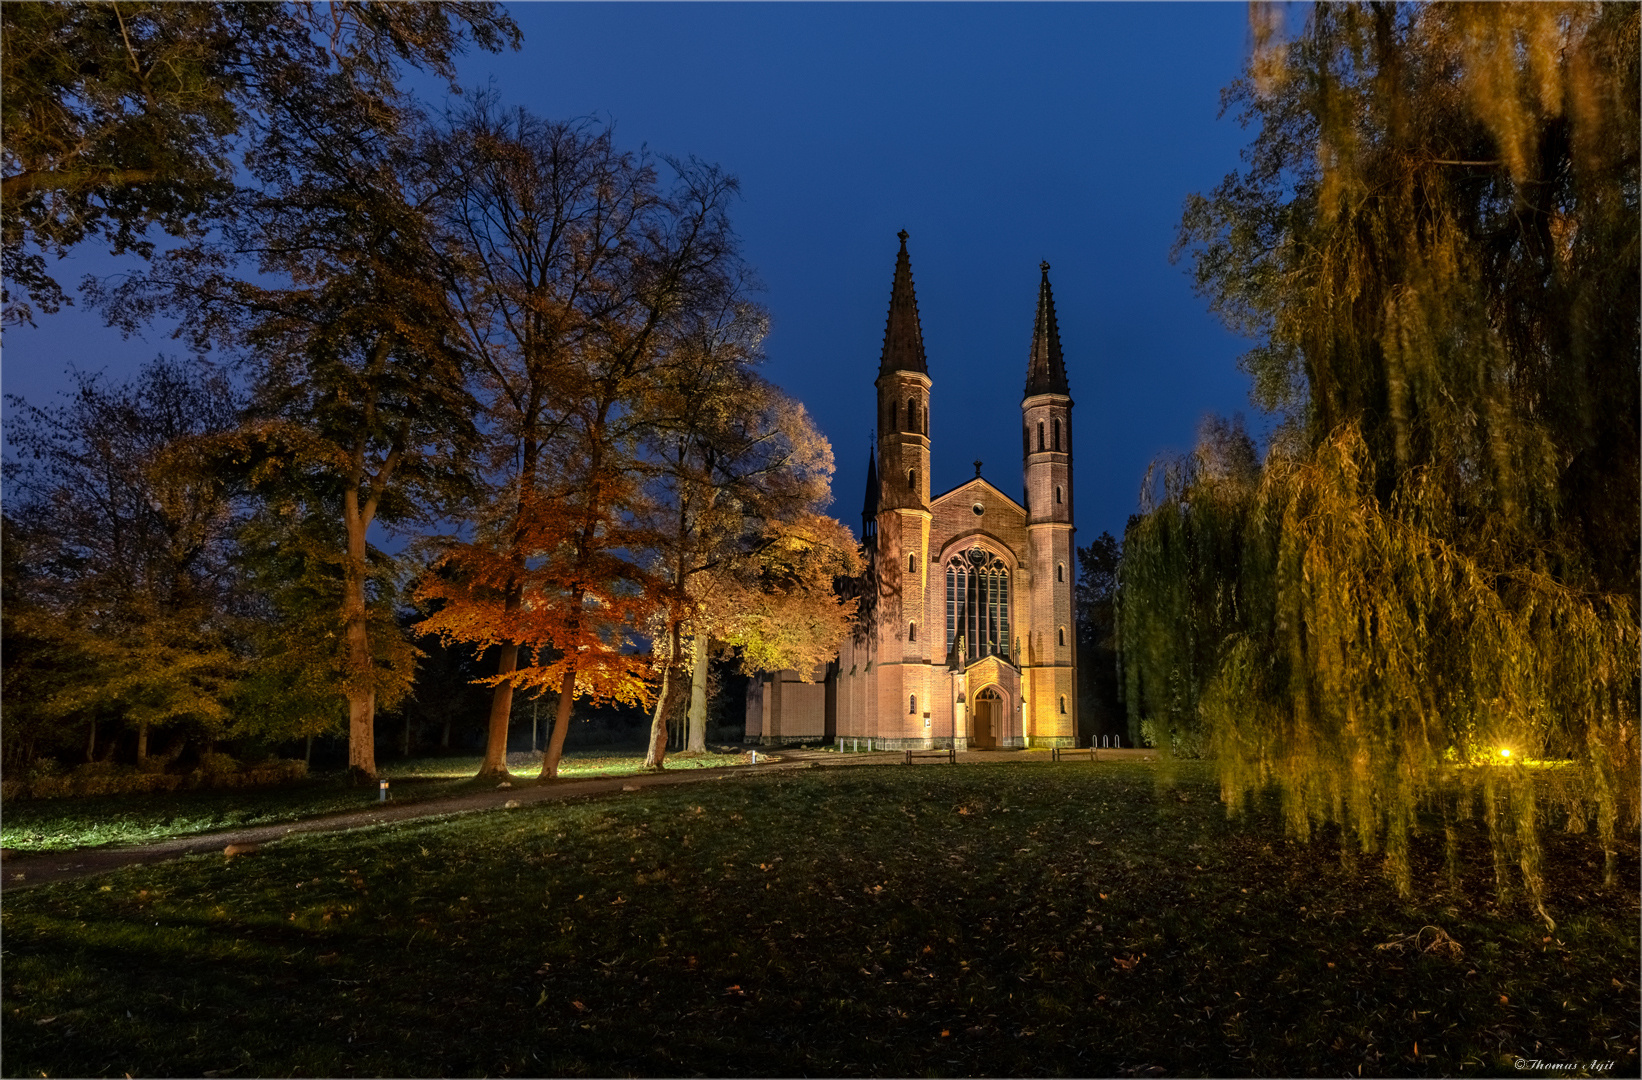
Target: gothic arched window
(912, 704)
(977, 604)
(1060, 571)
(1040, 434)
(912, 414)
(1057, 432)
(912, 631)
(1057, 494)
(912, 563)
(1061, 637)
(912, 479)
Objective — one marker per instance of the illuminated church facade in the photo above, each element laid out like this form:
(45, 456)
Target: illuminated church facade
(965, 632)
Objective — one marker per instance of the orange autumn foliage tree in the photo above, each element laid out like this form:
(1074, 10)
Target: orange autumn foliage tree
(581, 602)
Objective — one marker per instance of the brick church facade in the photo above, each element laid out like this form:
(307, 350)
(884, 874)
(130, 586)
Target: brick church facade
(965, 632)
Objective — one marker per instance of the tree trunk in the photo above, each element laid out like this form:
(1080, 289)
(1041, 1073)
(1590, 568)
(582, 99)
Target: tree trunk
(142, 743)
(672, 680)
(494, 766)
(404, 737)
(561, 724)
(91, 742)
(308, 752)
(362, 737)
(361, 691)
(696, 743)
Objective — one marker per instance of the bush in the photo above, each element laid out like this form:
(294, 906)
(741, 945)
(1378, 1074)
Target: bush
(107, 778)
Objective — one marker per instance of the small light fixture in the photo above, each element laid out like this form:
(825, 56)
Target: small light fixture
(382, 791)
(1505, 751)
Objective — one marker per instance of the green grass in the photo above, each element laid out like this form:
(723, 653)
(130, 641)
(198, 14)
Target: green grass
(986, 920)
(32, 825)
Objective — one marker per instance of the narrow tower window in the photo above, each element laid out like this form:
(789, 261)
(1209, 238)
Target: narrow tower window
(1056, 423)
(1040, 434)
(912, 704)
(912, 479)
(1057, 494)
(1060, 571)
(912, 563)
(912, 414)
(912, 631)
(1061, 637)
(1063, 704)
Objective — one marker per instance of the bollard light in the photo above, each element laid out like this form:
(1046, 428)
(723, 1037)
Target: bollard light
(382, 791)
(755, 757)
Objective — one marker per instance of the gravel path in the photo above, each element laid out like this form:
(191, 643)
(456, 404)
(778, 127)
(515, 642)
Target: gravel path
(21, 871)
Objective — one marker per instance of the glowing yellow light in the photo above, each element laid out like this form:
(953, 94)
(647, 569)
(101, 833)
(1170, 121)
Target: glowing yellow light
(1505, 752)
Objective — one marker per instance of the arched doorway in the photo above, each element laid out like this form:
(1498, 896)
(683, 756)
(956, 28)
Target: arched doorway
(986, 717)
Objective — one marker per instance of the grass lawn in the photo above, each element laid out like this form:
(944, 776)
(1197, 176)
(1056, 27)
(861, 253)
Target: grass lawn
(96, 821)
(986, 920)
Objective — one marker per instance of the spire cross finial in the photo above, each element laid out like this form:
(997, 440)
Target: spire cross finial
(903, 234)
(977, 468)
(1044, 266)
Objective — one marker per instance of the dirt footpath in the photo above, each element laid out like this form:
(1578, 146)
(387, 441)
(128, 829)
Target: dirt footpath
(24, 870)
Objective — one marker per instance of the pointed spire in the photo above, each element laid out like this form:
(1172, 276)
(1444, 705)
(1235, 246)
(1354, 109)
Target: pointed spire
(903, 337)
(1045, 371)
(869, 508)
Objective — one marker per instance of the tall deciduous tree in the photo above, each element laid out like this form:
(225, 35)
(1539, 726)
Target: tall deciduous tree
(128, 534)
(122, 116)
(541, 220)
(740, 465)
(360, 400)
(1435, 244)
(587, 517)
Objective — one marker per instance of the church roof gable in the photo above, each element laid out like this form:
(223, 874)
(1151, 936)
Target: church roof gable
(975, 483)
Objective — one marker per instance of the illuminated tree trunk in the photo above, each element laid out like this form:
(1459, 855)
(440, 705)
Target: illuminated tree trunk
(501, 710)
(561, 724)
(361, 689)
(672, 684)
(697, 740)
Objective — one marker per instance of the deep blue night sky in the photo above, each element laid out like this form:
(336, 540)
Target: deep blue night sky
(997, 135)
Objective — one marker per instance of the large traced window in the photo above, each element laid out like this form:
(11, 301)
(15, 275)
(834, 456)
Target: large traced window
(977, 604)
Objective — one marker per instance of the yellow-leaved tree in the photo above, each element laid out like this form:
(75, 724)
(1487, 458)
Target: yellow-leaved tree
(1425, 600)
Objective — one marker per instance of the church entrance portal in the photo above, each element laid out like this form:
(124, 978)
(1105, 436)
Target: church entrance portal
(987, 714)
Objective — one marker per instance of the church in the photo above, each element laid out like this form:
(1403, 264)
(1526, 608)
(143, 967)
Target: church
(964, 633)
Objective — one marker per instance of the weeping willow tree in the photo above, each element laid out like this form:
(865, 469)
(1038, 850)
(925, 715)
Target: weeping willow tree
(1425, 599)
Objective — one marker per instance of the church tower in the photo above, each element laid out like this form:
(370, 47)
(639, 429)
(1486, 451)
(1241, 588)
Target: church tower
(902, 571)
(1050, 660)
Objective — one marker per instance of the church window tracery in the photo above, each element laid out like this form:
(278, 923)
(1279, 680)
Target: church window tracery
(977, 604)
